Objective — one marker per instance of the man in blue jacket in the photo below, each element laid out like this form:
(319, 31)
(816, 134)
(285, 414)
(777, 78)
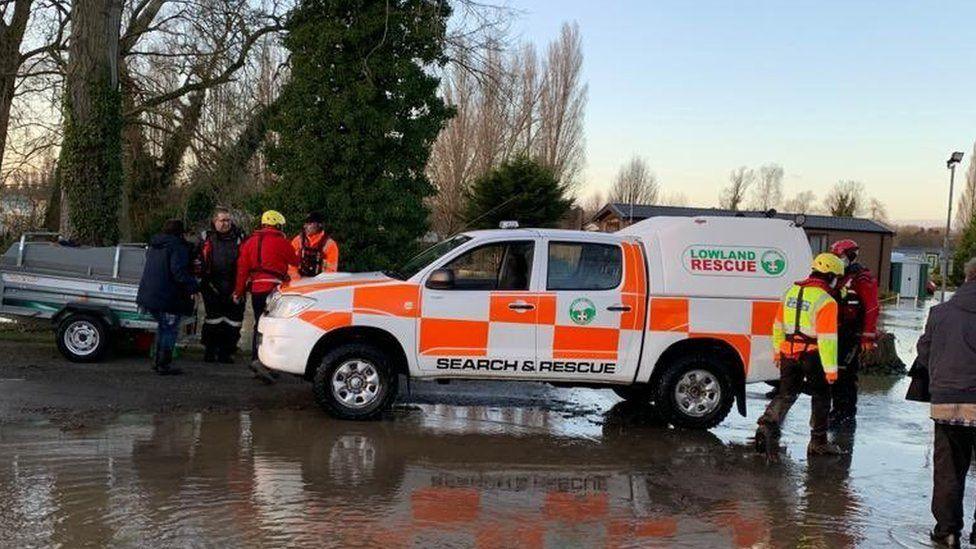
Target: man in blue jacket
(166, 290)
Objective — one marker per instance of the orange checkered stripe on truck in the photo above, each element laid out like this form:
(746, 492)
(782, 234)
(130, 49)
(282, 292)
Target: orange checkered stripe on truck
(736, 322)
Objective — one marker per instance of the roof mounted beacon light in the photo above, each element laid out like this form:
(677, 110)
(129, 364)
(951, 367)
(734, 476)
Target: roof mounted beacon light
(508, 225)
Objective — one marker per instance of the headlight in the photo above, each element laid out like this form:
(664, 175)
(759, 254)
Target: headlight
(287, 306)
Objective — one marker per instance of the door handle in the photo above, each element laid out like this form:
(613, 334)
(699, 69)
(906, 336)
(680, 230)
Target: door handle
(619, 308)
(521, 306)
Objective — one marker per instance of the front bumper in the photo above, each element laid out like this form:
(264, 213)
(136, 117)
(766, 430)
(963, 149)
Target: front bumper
(286, 343)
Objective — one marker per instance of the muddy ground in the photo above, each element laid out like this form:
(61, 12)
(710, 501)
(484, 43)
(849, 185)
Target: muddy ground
(110, 454)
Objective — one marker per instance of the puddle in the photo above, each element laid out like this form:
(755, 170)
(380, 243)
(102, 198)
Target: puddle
(600, 473)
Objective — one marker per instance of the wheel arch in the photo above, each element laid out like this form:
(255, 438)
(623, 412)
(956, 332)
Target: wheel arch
(357, 334)
(731, 359)
(102, 312)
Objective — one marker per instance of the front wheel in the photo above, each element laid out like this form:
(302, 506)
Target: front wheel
(355, 381)
(695, 392)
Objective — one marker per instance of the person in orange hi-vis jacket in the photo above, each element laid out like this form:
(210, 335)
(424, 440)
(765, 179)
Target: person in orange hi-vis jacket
(317, 252)
(805, 347)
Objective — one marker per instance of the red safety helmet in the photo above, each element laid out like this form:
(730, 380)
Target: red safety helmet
(842, 248)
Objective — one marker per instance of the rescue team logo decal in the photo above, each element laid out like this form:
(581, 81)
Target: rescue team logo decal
(582, 311)
(745, 261)
(773, 263)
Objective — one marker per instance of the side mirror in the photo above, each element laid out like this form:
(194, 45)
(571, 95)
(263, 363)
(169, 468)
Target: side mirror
(441, 279)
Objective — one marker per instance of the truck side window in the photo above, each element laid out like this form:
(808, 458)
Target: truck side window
(500, 266)
(583, 266)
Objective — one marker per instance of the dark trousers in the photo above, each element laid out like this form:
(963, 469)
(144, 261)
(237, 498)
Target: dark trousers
(843, 393)
(222, 325)
(167, 331)
(258, 304)
(795, 374)
(954, 449)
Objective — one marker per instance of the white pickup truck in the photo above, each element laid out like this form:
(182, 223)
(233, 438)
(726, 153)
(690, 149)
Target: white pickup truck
(674, 311)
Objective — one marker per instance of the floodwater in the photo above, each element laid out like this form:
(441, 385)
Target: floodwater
(597, 473)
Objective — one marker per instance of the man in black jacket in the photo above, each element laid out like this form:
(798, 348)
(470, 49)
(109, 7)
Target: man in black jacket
(166, 290)
(217, 256)
(947, 350)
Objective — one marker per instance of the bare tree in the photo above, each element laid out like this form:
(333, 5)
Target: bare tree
(507, 104)
(845, 199)
(802, 202)
(876, 210)
(740, 179)
(592, 204)
(635, 184)
(768, 191)
(561, 105)
(967, 201)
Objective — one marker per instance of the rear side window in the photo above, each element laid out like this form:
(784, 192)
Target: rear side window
(501, 266)
(583, 266)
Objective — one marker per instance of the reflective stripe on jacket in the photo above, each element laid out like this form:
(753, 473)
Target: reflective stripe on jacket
(807, 324)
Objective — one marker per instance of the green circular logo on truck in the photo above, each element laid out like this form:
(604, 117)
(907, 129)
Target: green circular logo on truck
(582, 311)
(773, 263)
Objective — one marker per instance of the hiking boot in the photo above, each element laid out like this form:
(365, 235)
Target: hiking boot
(164, 364)
(948, 540)
(262, 372)
(842, 419)
(767, 441)
(824, 448)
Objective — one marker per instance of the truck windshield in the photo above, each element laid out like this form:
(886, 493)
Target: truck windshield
(428, 256)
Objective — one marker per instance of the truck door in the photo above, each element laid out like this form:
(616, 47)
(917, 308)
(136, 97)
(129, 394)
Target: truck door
(600, 291)
(482, 323)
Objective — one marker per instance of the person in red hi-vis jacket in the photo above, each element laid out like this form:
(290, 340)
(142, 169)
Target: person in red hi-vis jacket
(857, 294)
(262, 266)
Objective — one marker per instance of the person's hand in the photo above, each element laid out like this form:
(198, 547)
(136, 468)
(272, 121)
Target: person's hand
(237, 299)
(831, 377)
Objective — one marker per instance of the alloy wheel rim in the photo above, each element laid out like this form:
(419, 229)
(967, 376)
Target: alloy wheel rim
(698, 393)
(356, 383)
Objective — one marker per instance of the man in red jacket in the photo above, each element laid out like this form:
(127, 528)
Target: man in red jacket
(859, 309)
(262, 266)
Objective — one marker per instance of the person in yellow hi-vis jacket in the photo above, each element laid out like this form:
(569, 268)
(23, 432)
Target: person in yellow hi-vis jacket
(805, 348)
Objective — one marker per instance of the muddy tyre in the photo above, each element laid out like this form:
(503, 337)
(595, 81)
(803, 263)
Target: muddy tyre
(82, 338)
(634, 393)
(694, 392)
(355, 381)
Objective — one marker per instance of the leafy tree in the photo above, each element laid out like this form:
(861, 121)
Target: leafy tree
(357, 120)
(520, 190)
(965, 250)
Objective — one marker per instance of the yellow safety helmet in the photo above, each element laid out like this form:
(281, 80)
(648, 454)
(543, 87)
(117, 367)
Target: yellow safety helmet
(272, 218)
(828, 264)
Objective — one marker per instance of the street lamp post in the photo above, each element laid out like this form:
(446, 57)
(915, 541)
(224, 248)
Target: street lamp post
(951, 164)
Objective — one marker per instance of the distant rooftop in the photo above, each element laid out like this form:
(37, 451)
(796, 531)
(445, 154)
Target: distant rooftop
(814, 222)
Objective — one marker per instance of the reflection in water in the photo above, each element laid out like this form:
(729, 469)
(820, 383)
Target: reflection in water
(441, 477)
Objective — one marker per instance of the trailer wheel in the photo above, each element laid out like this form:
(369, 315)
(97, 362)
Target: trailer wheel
(355, 381)
(695, 391)
(82, 337)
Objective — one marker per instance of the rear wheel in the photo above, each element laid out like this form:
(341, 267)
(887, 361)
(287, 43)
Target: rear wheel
(355, 381)
(82, 337)
(695, 391)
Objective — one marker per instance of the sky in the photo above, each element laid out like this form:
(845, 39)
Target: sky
(879, 92)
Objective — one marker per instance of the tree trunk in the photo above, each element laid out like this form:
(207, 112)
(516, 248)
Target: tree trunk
(11, 36)
(91, 153)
